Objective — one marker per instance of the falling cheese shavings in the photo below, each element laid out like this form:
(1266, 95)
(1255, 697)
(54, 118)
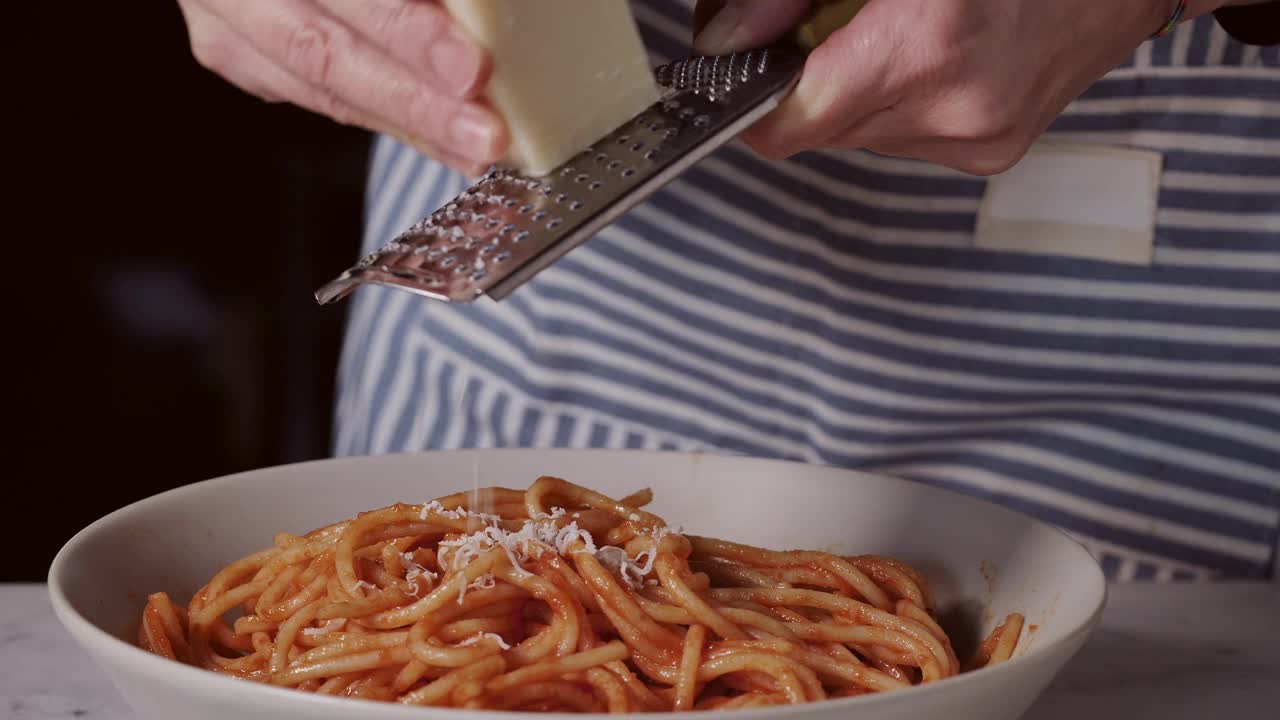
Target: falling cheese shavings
(481, 637)
(365, 585)
(333, 625)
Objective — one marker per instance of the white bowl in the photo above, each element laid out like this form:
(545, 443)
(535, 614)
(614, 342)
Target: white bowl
(982, 560)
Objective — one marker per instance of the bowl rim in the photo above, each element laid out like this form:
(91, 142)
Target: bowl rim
(87, 633)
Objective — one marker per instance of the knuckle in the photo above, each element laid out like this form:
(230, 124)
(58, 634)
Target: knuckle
(391, 20)
(983, 116)
(311, 49)
(211, 50)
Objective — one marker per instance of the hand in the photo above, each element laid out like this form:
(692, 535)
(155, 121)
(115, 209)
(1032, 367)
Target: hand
(399, 67)
(969, 84)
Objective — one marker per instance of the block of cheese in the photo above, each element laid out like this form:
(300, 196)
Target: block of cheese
(565, 72)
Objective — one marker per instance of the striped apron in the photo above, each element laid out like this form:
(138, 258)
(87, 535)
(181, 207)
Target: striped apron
(833, 308)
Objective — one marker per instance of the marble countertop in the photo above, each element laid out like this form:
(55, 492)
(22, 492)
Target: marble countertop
(1163, 651)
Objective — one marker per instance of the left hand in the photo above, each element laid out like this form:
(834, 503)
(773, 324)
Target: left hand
(969, 84)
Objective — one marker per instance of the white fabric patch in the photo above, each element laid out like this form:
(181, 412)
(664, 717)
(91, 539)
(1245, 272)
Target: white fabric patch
(1086, 201)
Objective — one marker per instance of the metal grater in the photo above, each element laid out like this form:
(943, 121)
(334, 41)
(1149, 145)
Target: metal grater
(506, 228)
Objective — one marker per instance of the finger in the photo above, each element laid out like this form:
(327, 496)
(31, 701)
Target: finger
(423, 37)
(703, 12)
(746, 24)
(219, 48)
(852, 75)
(340, 64)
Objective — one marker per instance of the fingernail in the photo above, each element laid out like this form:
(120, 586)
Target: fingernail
(473, 134)
(722, 31)
(456, 61)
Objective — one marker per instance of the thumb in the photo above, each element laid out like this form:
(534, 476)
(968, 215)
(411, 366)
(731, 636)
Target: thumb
(747, 24)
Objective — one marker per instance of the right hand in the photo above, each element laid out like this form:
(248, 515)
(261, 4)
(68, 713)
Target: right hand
(399, 67)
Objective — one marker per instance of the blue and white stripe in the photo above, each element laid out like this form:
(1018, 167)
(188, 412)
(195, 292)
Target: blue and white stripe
(832, 308)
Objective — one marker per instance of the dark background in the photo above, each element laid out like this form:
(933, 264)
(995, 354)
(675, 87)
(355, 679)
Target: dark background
(174, 231)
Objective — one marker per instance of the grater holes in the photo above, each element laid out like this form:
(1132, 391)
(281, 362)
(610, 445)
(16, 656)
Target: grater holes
(503, 256)
(449, 262)
(567, 172)
(628, 172)
(602, 158)
(595, 185)
(637, 146)
(479, 275)
(576, 205)
(506, 229)
(702, 121)
(686, 113)
(581, 178)
(540, 216)
(651, 154)
(561, 197)
(487, 249)
(670, 133)
(509, 203)
(554, 223)
(614, 165)
(525, 209)
(519, 237)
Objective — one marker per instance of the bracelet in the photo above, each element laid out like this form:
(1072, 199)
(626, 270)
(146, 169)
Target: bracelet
(1174, 20)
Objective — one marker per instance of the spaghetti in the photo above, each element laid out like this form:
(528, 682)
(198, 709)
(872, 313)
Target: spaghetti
(559, 599)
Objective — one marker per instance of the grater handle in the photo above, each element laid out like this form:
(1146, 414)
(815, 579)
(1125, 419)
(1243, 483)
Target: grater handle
(824, 20)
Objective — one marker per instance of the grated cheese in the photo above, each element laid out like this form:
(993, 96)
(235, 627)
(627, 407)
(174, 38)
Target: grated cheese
(416, 572)
(632, 572)
(479, 637)
(456, 514)
(540, 534)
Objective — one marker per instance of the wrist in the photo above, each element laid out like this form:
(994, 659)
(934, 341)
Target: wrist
(1168, 10)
